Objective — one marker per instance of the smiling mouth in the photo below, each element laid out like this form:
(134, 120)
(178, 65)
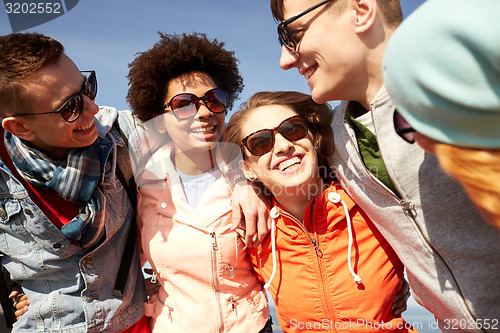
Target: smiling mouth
(204, 130)
(285, 165)
(309, 73)
(85, 127)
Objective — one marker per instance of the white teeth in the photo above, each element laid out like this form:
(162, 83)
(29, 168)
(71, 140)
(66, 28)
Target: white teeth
(85, 127)
(288, 163)
(309, 73)
(204, 130)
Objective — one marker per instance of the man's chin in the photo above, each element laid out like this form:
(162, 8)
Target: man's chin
(318, 96)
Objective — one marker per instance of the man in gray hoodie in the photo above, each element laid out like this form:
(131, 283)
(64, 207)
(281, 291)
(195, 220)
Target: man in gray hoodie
(451, 254)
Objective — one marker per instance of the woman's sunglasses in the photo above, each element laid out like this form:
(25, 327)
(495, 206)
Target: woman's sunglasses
(186, 105)
(72, 108)
(262, 141)
(403, 129)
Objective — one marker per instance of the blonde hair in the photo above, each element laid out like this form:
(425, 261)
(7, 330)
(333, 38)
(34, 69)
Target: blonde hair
(391, 11)
(478, 171)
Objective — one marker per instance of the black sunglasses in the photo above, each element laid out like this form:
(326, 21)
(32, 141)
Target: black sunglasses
(262, 141)
(72, 108)
(285, 36)
(186, 105)
(404, 130)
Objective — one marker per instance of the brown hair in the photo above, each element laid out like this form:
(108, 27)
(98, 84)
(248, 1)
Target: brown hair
(319, 118)
(391, 12)
(390, 9)
(22, 54)
(478, 171)
(171, 57)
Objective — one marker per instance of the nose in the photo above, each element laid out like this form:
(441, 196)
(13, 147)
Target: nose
(288, 59)
(203, 111)
(281, 145)
(89, 106)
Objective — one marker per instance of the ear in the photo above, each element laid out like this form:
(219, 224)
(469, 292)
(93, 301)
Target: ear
(366, 14)
(18, 127)
(159, 121)
(247, 171)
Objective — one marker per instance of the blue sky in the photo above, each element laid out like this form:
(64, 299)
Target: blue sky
(105, 34)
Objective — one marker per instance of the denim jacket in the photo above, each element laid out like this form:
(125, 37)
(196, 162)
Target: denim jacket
(70, 289)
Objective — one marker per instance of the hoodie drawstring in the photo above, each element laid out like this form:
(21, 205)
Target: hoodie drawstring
(274, 215)
(336, 198)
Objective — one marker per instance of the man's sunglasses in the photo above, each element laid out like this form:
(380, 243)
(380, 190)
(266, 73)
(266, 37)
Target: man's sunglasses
(285, 36)
(262, 141)
(404, 130)
(72, 108)
(186, 105)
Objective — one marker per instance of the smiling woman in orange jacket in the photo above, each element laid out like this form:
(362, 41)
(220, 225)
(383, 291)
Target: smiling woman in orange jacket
(326, 265)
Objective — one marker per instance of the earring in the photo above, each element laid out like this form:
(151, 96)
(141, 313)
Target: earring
(251, 178)
(363, 30)
(249, 175)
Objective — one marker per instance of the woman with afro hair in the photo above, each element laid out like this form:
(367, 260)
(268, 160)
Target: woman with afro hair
(181, 90)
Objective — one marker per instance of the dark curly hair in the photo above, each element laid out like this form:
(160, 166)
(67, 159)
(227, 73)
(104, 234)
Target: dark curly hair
(319, 118)
(21, 55)
(171, 57)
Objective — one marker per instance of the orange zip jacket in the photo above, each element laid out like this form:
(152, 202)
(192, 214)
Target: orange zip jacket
(316, 268)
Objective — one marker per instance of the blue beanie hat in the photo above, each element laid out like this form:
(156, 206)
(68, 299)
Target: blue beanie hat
(442, 70)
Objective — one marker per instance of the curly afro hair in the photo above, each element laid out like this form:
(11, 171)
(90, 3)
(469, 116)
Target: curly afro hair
(171, 57)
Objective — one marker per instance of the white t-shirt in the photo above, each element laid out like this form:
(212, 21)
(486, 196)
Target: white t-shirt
(195, 186)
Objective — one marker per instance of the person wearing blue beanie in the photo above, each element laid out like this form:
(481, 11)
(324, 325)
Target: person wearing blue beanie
(443, 71)
(443, 74)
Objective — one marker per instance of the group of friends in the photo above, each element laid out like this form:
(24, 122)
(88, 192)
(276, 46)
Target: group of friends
(323, 207)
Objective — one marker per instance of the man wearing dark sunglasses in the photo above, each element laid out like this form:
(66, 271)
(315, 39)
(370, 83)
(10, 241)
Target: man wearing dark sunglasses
(337, 45)
(66, 221)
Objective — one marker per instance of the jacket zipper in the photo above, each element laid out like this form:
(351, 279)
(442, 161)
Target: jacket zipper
(407, 206)
(316, 248)
(213, 241)
(231, 271)
(320, 266)
(153, 276)
(234, 270)
(232, 301)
